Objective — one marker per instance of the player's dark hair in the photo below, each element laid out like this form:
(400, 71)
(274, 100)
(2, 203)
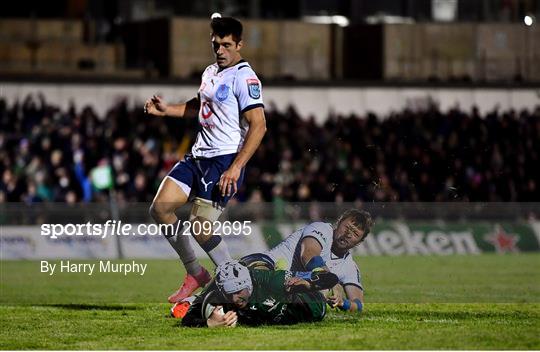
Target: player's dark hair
(360, 218)
(224, 26)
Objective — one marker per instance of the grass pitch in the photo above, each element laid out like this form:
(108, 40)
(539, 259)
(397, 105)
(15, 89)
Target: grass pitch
(454, 302)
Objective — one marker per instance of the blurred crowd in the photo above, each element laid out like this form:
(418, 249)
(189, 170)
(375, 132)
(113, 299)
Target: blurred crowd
(48, 155)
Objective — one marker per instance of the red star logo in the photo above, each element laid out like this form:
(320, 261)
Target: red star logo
(502, 241)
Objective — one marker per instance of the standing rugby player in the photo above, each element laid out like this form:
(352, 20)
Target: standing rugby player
(230, 111)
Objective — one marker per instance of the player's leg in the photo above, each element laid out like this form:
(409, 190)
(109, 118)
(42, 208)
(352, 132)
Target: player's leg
(168, 199)
(204, 214)
(209, 205)
(172, 194)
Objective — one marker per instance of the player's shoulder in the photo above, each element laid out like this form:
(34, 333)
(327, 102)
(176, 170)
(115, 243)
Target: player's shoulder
(244, 70)
(258, 275)
(212, 68)
(246, 81)
(322, 228)
(264, 280)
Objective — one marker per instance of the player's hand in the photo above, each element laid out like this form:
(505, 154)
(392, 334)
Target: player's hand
(335, 299)
(228, 180)
(217, 319)
(296, 284)
(155, 106)
(230, 319)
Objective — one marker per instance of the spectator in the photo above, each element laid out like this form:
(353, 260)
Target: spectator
(46, 155)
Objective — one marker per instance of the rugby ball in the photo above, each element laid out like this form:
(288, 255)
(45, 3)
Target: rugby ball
(210, 308)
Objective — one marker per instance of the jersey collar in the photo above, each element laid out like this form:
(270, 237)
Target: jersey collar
(226, 68)
(335, 256)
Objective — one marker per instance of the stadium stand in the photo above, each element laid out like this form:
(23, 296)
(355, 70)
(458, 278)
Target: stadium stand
(46, 155)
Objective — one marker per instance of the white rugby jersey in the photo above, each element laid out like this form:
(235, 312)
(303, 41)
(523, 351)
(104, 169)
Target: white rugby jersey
(288, 253)
(224, 96)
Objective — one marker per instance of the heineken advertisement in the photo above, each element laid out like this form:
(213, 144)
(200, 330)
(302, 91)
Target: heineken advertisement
(424, 238)
(439, 238)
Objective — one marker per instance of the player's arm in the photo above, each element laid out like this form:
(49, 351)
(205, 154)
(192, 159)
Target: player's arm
(277, 282)
(355, 296)
(257, 128)
(194, 316)
(310, 281)
(220, 319)
(197, 314)
(354, 302)
(310, 254)
(158, 107)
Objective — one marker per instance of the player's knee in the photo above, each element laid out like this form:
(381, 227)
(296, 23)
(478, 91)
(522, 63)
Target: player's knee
(201, 226)
(159, 211)
(153, 211)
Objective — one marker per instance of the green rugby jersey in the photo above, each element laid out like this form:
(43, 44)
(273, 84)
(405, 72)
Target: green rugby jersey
(269, 303)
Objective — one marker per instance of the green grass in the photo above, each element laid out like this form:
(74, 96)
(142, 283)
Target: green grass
(455, 302)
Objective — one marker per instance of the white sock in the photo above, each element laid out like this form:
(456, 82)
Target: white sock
(217, 250)
(182, 246)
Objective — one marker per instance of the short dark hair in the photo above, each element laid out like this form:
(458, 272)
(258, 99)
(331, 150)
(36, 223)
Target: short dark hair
(360, 218)
(223, 26)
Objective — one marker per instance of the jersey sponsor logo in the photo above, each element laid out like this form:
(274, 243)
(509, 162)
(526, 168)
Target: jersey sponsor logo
(254, 88)
(271, 303)
(222, 92)
(206, 111)
(320, 234)
(208, 125)
(281, 313)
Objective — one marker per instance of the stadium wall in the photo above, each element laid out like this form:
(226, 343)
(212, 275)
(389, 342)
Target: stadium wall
(316, 101)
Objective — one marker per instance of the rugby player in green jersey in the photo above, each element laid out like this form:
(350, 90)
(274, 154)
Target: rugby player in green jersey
(255, 297)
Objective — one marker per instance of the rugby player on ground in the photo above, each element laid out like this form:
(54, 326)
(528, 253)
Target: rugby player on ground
(323, 246)
(255, 297)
